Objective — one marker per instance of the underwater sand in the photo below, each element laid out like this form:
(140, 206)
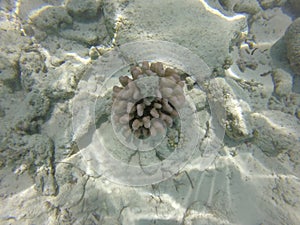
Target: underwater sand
(62, 158)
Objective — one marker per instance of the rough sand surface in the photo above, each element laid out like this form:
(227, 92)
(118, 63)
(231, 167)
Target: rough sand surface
(58, 63)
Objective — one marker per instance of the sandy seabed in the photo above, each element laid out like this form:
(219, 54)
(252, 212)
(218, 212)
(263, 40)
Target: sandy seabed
(238, 154)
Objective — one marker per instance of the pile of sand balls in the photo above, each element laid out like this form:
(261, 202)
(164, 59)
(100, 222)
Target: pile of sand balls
(146, 104)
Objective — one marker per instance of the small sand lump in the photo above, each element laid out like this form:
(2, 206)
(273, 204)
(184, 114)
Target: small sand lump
(87, 9)
(145, 114)
(50, 18)
(283, 82)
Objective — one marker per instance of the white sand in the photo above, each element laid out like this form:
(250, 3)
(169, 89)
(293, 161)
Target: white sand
(53, 167)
